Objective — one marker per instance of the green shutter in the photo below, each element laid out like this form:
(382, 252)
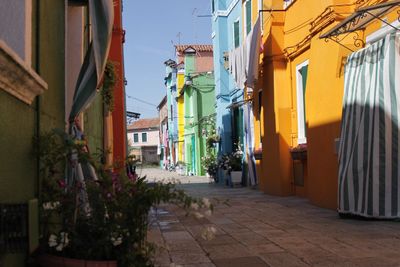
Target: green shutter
(135, 138)
(248, 16)
(144, 137)
(236, 33)
(304, 72)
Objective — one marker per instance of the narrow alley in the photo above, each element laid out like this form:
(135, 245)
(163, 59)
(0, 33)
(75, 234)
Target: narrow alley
(255, 229)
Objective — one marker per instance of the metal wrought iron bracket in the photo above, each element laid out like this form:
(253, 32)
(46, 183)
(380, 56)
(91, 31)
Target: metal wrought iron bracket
(358, 21)
(384, 21)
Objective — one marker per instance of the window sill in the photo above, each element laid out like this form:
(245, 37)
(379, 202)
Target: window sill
(17, 78)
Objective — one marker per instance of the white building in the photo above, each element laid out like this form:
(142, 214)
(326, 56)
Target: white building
(143, 139)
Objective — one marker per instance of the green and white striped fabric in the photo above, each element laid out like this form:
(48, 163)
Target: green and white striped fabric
(369, 152)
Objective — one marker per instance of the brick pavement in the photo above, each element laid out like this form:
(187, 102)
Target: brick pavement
(254, 229)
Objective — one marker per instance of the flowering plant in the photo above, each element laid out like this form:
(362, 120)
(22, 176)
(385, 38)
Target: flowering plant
(232, 161)
(114, 227)
(210, 164)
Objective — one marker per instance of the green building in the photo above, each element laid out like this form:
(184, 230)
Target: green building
(199, 100)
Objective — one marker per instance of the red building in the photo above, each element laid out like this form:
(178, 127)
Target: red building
(118, 120)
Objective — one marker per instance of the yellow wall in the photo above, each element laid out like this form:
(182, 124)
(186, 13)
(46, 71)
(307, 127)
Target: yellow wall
(181, 118)
(289, 39)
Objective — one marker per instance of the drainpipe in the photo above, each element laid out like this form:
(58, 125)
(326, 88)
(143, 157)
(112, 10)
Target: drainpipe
(37, 69)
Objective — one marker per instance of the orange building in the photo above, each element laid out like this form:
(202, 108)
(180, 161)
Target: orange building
(298, 102)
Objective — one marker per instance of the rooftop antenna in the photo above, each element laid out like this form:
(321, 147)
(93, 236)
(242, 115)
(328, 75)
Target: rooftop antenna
(173, 49)
(179, 37)
(194, 23)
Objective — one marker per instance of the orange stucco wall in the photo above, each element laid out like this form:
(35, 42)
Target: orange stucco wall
(119, 120)
(290, 38)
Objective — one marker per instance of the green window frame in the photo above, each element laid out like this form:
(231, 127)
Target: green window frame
(236, 34)
(136, 138)
(144, 137)
(248, 16)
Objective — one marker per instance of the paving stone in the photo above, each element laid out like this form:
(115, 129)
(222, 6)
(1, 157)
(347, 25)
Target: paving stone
(240, 262)
(282, 259)
(177, 236)
(200, 265)
(249, 238)
(227, 251)
(189, 258)
(189, 246)
(281, 231)
(218, 240)
(334, 262)
(264, 248)
(197, 230)
(311, 255)
(290, 242)
(234, 228)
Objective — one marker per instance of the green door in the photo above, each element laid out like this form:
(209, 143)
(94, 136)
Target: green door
(193, 155)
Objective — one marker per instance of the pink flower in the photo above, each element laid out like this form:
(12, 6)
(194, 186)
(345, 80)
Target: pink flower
(62, 184)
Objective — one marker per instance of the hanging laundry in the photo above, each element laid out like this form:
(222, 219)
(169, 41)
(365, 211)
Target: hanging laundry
(254, 46)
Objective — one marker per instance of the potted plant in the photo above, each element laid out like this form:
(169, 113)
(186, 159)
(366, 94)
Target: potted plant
(105, 226)
(299, 152)
(181, 167)
(232, 163)
(212, 139)
(210, 165)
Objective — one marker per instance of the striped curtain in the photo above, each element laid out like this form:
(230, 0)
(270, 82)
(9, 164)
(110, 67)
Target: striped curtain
(369, 152)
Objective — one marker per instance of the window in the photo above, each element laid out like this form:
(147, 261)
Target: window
(236, 35)
(287, 3)
(144, 137)
(212, 6)
(301, 82)
(136, 138)
(248, 16)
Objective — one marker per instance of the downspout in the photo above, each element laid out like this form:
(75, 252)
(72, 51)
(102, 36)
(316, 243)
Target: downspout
(37, 69)
(291, 98)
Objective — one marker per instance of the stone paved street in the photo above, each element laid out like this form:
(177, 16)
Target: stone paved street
(254, 229)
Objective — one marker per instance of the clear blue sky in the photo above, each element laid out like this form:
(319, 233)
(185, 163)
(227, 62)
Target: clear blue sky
(152, 29)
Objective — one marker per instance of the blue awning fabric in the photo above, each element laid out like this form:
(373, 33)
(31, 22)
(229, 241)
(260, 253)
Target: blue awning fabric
(101, 14)
(102, 18)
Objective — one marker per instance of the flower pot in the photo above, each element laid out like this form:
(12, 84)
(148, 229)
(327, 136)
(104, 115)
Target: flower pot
(47, 260)
(236, 177)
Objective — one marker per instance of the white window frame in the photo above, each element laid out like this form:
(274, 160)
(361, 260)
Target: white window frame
(260, 14)
(382, 32)
(287, 3)
(17, 77)
(301, 131)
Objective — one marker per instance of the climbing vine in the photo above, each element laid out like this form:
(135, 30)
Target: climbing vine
(110, 79)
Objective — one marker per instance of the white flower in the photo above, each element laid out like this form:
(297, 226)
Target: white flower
(209, 233)
(198, 215)
(51, 205)
(206, 202)
(116, 241)
(64, 239)
(194, 206)
(52, 240)
(60, 247)
(208, 213)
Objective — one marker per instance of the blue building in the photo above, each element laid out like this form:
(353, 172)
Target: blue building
(227, 35)
(170, 83)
